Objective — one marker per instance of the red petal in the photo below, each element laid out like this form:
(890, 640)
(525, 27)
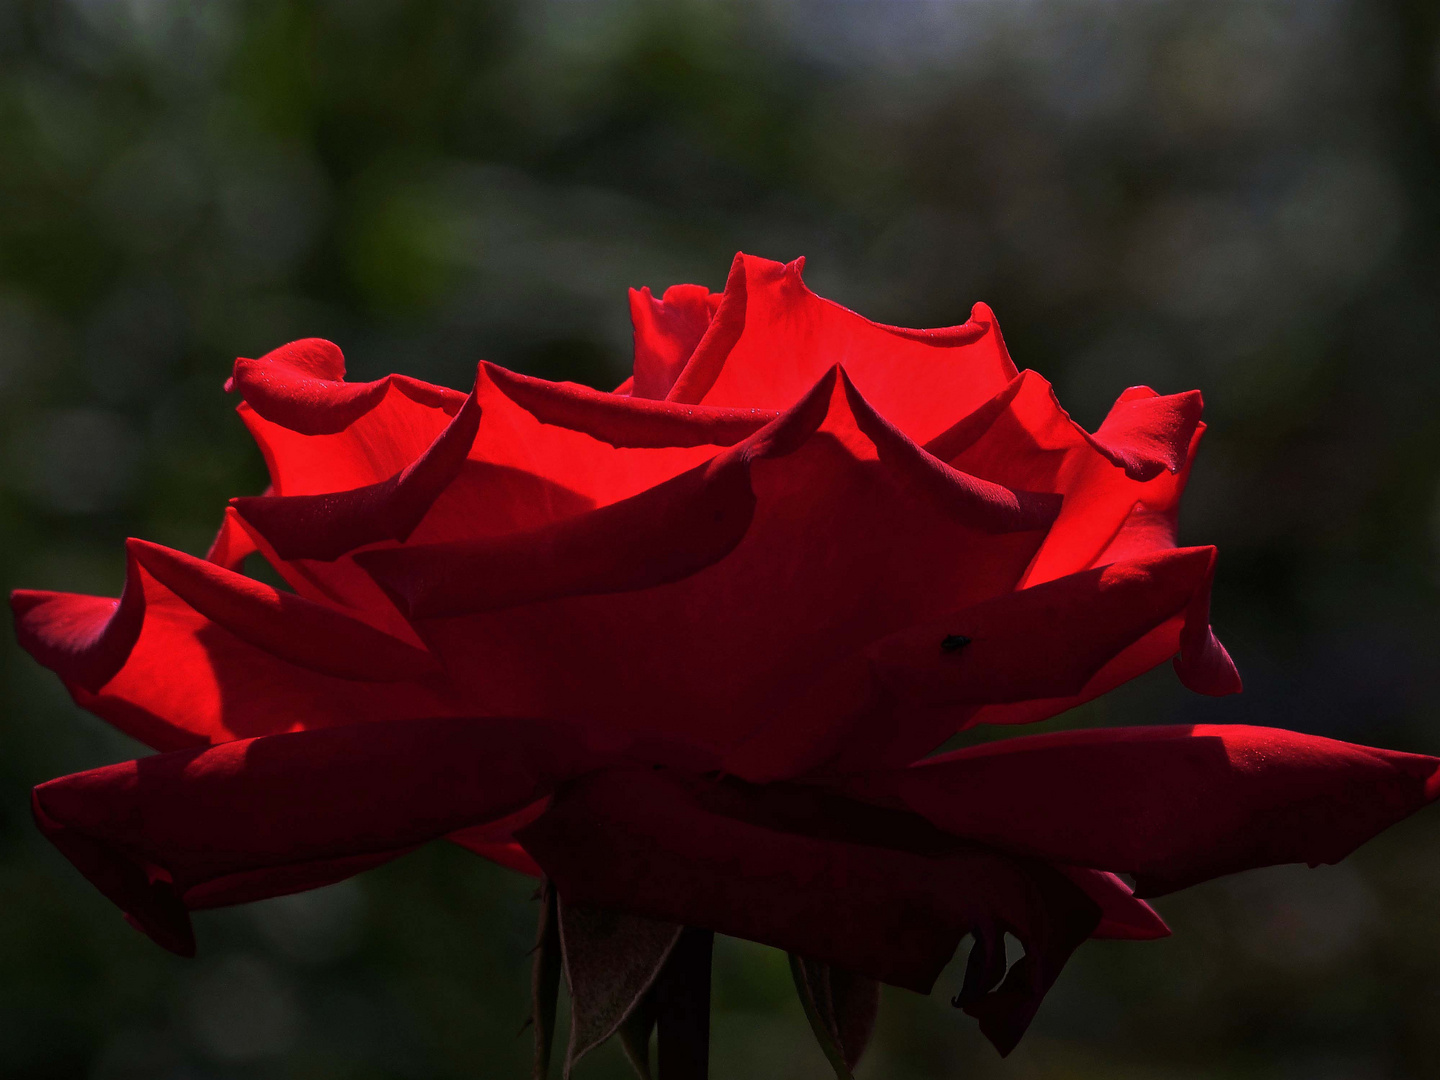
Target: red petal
(638, 841)
(1022, 438)
(232, 544)
(194, 653)
(1171, 805)
(300, 386)
(327, 526)
(1145, 433)
(736, 583)
(261, 817)
(1123, 915)
(772, 338)
(903, 695)
(666, 333)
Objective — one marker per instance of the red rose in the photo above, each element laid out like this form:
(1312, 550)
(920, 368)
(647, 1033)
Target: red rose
(685, 646)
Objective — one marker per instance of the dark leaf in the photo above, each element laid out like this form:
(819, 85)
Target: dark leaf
(841, 1007)
(611, 961)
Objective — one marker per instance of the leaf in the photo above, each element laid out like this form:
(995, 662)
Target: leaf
(611, 961)
(841, 1007)
(545, 979)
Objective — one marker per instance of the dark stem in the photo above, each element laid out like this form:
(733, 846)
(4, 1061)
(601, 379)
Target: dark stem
(682, 1008)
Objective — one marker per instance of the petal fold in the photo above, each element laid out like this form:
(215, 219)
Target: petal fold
(327, 526)
(301, 386)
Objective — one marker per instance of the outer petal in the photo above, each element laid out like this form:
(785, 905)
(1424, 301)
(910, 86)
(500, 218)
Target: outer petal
(193, 653)
(262, 817)
(1171, 805)
(666, 333)
(772, 338)
(901, 696)
(639, 841)
(736, 582)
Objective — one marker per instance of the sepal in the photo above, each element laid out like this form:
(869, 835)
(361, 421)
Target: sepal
(841, 1007)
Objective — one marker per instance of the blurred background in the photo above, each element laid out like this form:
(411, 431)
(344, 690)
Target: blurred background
(1239, 197)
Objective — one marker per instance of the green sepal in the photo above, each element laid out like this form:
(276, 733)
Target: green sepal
(611, 962)
(841, 1007)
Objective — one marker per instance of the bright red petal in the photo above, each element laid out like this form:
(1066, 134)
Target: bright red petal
(772, 338)
(666, 333)
(1023, 438)
(193, 653)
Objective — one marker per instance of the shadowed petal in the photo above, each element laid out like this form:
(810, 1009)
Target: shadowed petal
(262, 817)
(638, 841)
(1171, 805)
(901, 696)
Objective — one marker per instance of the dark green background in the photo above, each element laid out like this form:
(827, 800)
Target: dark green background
(1239, 197)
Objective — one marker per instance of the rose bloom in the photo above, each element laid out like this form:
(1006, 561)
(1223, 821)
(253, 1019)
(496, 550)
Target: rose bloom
(685, 648)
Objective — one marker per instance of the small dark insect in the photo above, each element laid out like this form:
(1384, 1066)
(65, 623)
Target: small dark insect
(954, 642)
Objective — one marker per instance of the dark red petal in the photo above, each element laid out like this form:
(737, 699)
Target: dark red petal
(727, 588)
(903, 695)
(261, 817)
(288, 627)
(495, 840)
(1123, 915)
(1171, 805)
(228, 659)
(666, 333)
(772, 338)
(638, 841)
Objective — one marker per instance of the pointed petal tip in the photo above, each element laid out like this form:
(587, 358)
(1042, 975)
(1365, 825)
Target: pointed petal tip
(1211, 672)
